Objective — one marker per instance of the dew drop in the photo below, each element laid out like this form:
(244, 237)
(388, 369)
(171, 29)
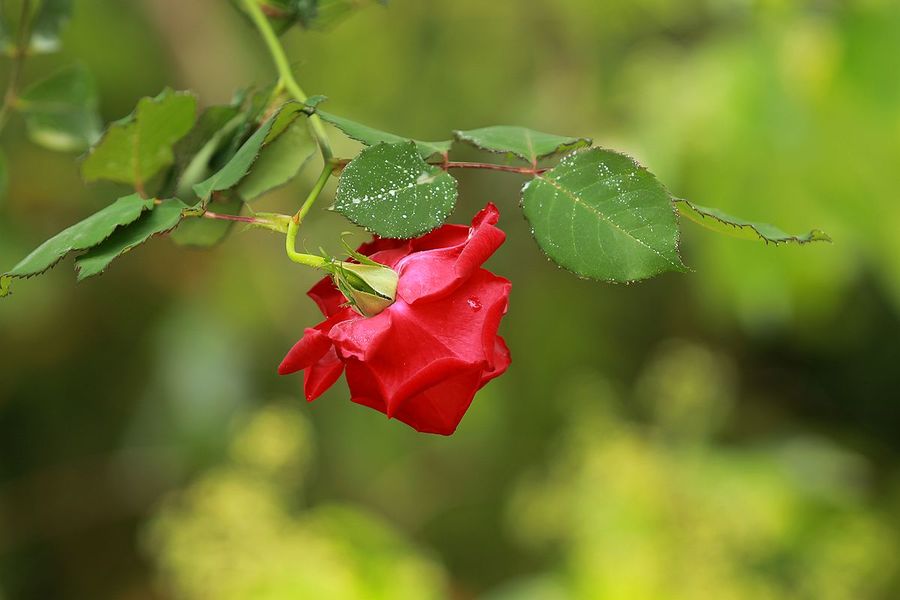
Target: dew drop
(474, 304)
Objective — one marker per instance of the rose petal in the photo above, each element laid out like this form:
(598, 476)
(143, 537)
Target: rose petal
(434, 400)
(311, 347)
(432, 274)
(440, 408)
(502, 360)
(319, 377)
(361, 337)
(327, 297)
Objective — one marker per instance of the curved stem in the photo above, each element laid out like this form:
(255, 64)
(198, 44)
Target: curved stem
(290, 244)
(290, 241)
(286, 79)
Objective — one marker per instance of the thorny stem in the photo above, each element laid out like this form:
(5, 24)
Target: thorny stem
(239, 218)
(12, 88)
(340, 163)
(494, 167)
(286, 79)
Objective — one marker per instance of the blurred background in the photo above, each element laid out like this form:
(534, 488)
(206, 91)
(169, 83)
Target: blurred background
(729, 433)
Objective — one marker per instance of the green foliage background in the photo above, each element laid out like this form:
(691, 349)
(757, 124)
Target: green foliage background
(729, 433)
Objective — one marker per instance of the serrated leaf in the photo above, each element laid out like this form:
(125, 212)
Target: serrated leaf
(527, 144)
(160, 219)
(601, 215)
(136, 148)
(81, 236)
(254, 104)
(239, 166)
(391, 191)
(61, 110)
(197, 153)
(208, 124)
(370, 136)
(48, 22)
(279, 161)
(203, 233)
(718, 221)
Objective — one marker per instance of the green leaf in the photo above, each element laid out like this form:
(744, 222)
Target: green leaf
(718, 221)
(48, 22)
(279, 161)
(81, 236)
(239, 166)
(196, 154)
(203, 233)
(391, 191)
(162, 218)
(254, 104)
(601, 215)
(136, 148)
(61, 110)
(211, 121)
(370, 137)
(527, 144)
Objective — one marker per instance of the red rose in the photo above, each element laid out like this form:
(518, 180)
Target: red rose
(421, 359)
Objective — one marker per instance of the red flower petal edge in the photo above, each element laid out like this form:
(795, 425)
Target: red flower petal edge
(423, 358)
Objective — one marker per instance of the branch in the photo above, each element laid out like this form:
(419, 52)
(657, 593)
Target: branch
(18, 61)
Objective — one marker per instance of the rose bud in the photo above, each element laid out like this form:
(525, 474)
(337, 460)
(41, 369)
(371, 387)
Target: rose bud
(421, 358)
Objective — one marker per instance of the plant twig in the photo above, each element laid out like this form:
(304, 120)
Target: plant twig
(494, 167)
(18, 62)
(286, 79)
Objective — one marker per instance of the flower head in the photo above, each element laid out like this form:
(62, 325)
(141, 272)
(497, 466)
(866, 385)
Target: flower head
(421, 358)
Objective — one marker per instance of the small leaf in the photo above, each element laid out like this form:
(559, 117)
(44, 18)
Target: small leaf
(314, 101)
(370, 137)
(239, 166)
(527, 144)
(136, 148)
(61, 110)
(48, 22)
(162, 218)
(279, 161)
(391, 191)
(601, 215)
(203, 233)
(718, 221)
(81, 236)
